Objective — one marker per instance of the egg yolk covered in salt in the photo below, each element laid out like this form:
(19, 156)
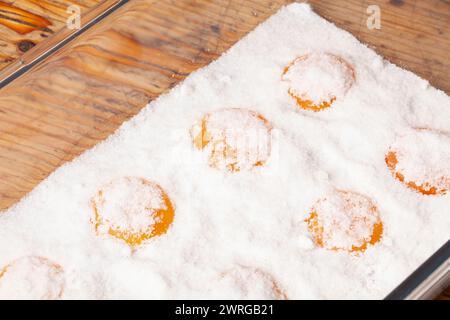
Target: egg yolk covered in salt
(132, 209)
(244, 282)
(234, 139)
(315, 81)
(345, 221)
(31, 278)
(421, 161)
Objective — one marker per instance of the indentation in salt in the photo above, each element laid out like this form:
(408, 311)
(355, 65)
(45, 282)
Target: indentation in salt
(235, 139)
(31, 278)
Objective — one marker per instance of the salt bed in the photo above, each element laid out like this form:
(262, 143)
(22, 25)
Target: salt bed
(298, 165)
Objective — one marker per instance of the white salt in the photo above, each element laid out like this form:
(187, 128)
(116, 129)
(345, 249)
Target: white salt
(243, 234)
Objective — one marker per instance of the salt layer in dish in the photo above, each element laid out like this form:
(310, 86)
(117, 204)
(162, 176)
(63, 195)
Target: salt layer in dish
(244, 234)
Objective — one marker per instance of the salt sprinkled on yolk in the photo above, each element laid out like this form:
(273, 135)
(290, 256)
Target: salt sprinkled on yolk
(34, 278)
(316, 80)
(421, 161)
(345, 221)
(133, 210)
(234, 139)
(253, 283)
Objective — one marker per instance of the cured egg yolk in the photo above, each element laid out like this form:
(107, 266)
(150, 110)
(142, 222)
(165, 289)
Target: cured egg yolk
(234, 139)
(250, 283)
(345, 221)
(31, 278)
(315, 81)
(132, 209)
(421, 161)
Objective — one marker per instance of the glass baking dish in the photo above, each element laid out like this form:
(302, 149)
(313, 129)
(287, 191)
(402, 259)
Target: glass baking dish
(428, 281)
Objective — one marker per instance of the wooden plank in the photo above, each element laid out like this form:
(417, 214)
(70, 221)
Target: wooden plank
(26, 23)
(445, 295)
(414, 34)
(80, 95)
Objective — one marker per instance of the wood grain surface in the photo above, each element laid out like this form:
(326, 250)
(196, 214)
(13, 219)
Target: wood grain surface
(25, 23)
(80, 95)
(444, 295)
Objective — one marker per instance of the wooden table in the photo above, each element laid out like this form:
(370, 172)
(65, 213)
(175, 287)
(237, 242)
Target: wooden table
(26, 23)
(80, 95)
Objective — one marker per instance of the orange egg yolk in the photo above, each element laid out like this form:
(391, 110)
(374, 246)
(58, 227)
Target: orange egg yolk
(363, 226)
(42, 276)
(301, 98)
(235, 139)
(160, 215)
(425, 188)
